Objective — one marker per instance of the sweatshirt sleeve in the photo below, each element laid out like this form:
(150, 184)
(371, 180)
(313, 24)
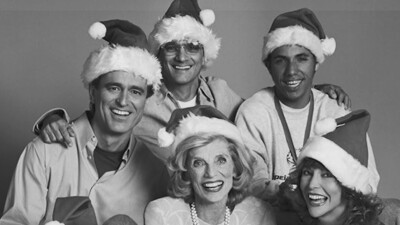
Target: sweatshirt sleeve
(38, 124)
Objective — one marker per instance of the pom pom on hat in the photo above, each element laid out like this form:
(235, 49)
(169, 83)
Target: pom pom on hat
(196, 120)
(299, 27)
(325, 126)
(207, 16)
(328, 46)
(97, 30)
(165, 138)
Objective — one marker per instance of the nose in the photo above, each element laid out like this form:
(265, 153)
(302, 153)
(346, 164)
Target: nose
(210, 171)
(122, 99)
(181, 54)
(292, 68)
(314, 181)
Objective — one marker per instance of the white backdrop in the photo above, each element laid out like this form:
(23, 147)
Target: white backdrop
(44, 44)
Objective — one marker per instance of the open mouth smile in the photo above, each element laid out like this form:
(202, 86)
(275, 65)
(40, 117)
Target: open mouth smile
(213, 186)
(181, 67)
(120, 112)
(292, 83)
(316, 199)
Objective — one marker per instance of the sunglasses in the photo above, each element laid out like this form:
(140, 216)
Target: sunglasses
(172, 48)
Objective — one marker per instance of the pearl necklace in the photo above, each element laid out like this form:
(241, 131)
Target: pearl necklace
(195, 220)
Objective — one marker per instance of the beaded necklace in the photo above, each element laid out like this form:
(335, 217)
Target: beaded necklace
(195, 219)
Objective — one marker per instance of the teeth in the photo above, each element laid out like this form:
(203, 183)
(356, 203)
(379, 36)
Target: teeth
(212, 185)
(293, 83)
(316, 197)
(119, 112)
(182, 67)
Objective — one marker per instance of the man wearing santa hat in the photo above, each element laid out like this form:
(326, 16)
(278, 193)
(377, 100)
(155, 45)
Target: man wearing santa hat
(276, 121)
(107, 170)
(186, 47)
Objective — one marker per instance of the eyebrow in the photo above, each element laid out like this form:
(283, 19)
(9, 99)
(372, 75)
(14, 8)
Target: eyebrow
(120, 85)
(303, 54)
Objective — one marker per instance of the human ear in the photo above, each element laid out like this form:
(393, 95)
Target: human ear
(316, 66)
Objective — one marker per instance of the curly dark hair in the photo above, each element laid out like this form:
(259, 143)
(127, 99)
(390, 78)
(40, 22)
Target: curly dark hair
(361, 208)
(181, 186)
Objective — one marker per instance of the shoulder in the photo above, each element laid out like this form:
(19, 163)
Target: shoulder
(167, 211)
(211, 80)
(166, 204)
(38, 154)
(39, 148)
(391, 211)
(215, 84)
(262, 100)
(327, 106)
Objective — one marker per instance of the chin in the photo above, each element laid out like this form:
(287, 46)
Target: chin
(120, 129)
(316, 212)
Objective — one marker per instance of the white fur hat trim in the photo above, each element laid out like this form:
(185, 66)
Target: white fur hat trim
(349, 171)
(54, 222)
(185, 28)
(118, 58)
(298, 35)
(193, 125)
(324, 126)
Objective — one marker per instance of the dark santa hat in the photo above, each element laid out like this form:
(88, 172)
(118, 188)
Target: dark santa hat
(120, 219)
(74, 210)
(343, 150)
(184, 20)
(300, 27)
(196, 120)
(127, 51)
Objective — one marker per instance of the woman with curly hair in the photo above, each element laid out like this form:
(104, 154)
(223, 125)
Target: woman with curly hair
(210, 174)
(331, 183)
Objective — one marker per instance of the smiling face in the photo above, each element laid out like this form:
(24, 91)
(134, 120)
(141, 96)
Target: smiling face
(119, 99)
(181, 62)
(292, 69)
(322, 193)
(211, 170)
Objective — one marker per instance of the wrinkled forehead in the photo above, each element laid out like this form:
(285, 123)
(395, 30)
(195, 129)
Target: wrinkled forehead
(211, 149)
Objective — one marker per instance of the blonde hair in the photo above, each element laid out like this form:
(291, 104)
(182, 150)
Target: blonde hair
(181, 186)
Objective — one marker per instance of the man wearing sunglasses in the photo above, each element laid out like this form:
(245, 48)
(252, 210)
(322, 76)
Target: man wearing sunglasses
(185, 46)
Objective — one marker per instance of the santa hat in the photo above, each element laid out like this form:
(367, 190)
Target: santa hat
(120, 219)
(184, 20)
(343, 150)
(300, 27)
(196, 120)
(127, 51)
(74, 210)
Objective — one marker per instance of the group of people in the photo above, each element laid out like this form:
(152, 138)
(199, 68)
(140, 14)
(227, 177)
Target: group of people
(163, 144)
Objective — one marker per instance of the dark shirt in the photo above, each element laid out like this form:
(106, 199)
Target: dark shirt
(107, 161)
